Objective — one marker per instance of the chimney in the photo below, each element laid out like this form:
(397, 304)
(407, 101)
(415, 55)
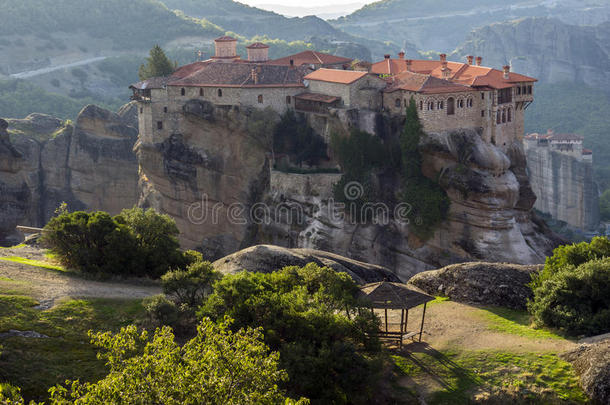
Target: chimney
(470, 59)
(506, 72)
(254, 76)
(401, 55)
(386, 56)
(409, 63)
(443, 57)
(479, 60)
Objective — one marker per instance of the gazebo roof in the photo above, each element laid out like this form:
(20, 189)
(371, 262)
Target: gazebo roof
(393, 295)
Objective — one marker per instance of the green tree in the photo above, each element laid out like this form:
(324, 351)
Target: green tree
(604, 205)
(302, 312)
(218, 366)
(157, 64)
(575, 299)
(428, 200)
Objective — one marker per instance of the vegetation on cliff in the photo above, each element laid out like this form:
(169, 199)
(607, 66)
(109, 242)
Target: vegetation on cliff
(428, 200)
(294, 137)
(572, 292)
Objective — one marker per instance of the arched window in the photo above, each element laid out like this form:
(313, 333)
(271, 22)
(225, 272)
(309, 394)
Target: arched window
(469, 103)
(503, 116)
(201, 92)
(460, 103)
(440, 105)
(219, 92)
(499, 117)
(397, 103)
(260, 99)
(450, 106)
(509, 117)
(183, 91)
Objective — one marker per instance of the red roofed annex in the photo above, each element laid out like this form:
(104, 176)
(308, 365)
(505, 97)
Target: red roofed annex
(449, 95)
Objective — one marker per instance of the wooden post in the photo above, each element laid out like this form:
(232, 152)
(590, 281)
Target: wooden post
(402, 318)
(421, 330)
(386, 319)
(407, 321)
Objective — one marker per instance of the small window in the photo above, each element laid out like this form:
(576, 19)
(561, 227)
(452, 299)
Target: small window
(518, 90)
(450, 106)
(159, 124)
(503, 116)
(421, 105)
(482, 113)
(183, 91)
(260, 99)
(141, 110)
(405, 102)
(200, 92)
(165, 109)
(288, 100)
(482, 96)
(499, 117)
(469, 103)
(397, 103)
(219, 92)
(461, 103)
(509, 117)
(529, 89)
(440, 105)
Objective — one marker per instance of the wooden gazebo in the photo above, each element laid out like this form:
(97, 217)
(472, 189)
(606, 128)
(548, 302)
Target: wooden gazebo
(395, 296)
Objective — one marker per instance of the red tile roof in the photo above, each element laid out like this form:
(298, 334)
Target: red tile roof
(336, 75)
(426, 84)
(225, 39)
(257, 45)
(189, 69)
(462, 73)
(241, 75)
(310, 58)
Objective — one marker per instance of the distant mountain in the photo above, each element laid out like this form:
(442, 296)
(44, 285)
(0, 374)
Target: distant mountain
(441, 25)
(327, 12)
(251, 21)
(545, 48)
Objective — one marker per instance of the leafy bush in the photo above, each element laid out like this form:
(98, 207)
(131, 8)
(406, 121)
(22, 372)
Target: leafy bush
(218, 366)
(302, 312)
(575, 298)
(162, 311)
(571, 256)
(134, 243)
(190, 286)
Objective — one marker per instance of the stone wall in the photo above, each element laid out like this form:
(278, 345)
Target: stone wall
(564, 186)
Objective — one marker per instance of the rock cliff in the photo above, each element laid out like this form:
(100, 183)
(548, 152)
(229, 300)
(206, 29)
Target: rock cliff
(564, 185)
(545, 48)
(213, 176)
(89, 165)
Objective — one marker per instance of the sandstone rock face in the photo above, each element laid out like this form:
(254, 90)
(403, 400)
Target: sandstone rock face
(269, 258)
(564, 185)
(89, 166)
(207, 175)
(545, 48)
(480, 283)
(592, 363)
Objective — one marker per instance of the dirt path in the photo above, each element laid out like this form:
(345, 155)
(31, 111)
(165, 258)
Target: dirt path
(50, 285)
(49, 69)
(452, 324)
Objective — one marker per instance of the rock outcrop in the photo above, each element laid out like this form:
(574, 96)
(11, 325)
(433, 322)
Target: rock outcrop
(90, 165)
(480, 283)
(545, 48)
(592, 364)
(268, 258)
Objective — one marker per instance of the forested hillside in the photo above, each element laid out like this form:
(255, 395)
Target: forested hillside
(129, 24)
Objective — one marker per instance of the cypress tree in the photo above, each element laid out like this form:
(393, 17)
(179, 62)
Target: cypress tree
(157, 64)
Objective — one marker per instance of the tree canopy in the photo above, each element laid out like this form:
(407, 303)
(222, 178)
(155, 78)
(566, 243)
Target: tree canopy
(157, 64)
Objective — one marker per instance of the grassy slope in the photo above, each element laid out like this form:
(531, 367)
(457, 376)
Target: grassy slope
(458, 375)
(37, 364)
